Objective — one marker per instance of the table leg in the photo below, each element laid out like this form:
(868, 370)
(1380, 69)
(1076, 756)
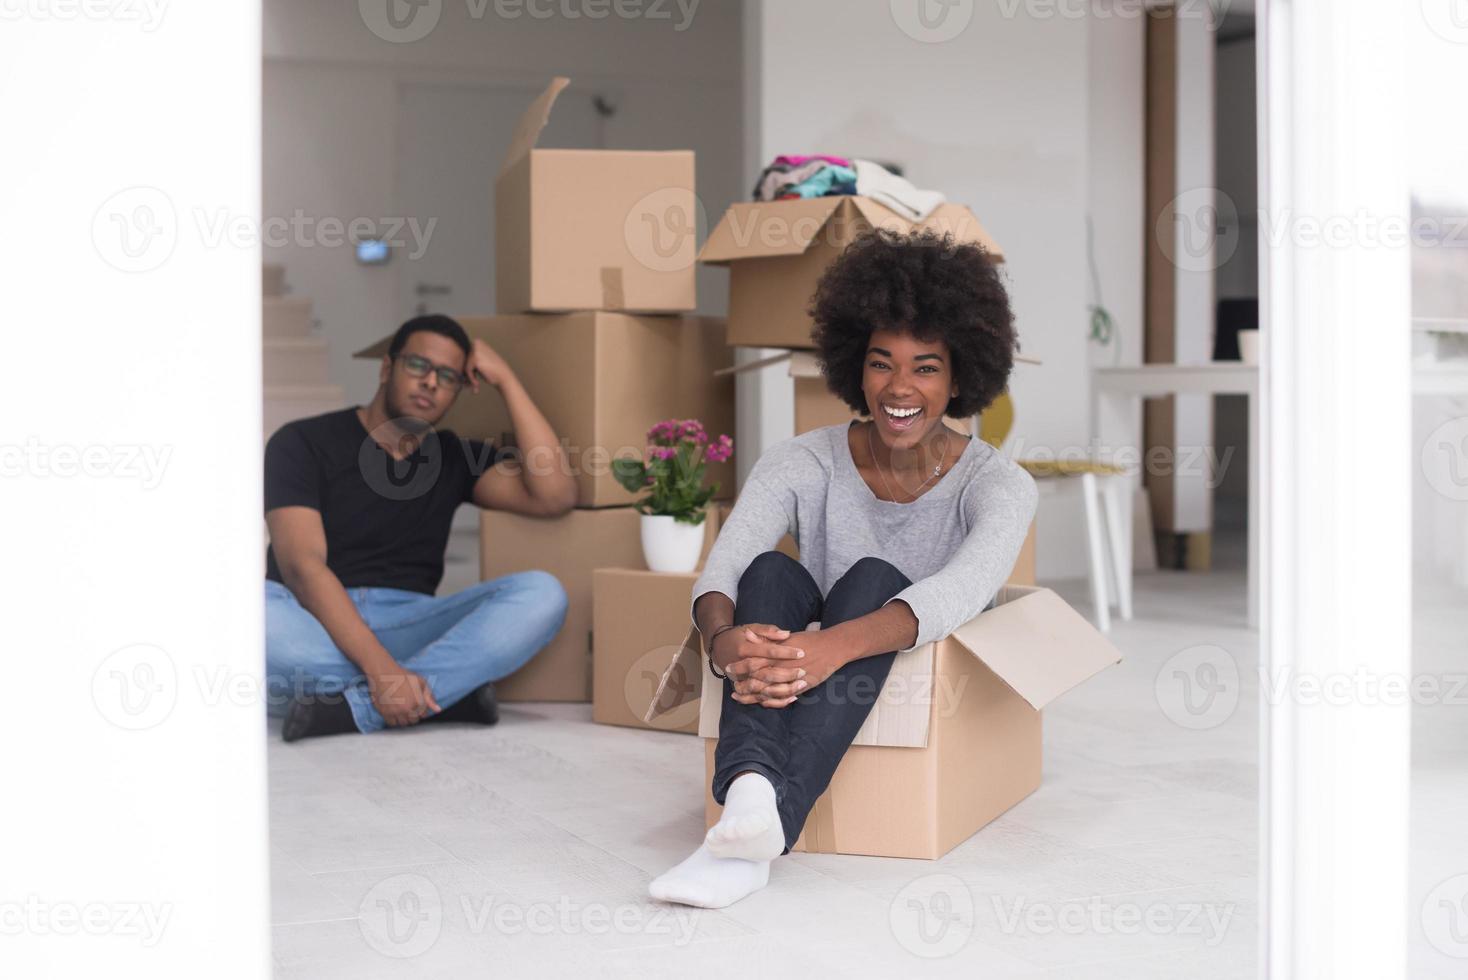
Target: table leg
(1096, 550)
(1117, 500)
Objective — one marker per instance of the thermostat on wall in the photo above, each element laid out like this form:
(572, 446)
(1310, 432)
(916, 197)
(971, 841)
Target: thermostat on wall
(373, 251)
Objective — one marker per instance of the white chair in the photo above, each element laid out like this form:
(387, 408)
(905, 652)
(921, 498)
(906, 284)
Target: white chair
(1104, 491)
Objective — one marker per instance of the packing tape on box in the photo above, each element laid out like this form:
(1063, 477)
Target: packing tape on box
(820, 826)
(612, 296)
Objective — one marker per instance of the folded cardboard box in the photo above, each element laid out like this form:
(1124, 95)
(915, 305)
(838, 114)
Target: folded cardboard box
(570, 547)
(777, 250)
(602, 380)
(953, 739)
(591, 229)
(639, 620)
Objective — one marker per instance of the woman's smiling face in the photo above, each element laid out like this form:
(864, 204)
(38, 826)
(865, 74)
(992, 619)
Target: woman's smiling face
(907, 383)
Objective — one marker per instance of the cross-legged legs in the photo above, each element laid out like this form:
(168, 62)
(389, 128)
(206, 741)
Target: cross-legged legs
(457, 643)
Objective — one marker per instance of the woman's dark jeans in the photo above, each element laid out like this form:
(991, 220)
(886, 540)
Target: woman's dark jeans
(798, 747)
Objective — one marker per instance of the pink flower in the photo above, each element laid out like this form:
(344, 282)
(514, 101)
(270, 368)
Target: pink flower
(692, 430)
(720, 450)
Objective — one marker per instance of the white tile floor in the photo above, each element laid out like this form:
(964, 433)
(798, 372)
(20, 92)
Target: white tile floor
(527, 848)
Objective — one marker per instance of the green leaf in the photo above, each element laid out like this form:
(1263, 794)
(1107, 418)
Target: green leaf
(631, 474)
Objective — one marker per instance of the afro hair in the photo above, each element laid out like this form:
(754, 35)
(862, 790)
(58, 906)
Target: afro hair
(925, 285)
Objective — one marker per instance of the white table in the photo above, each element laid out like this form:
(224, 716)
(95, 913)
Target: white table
(1117, 394)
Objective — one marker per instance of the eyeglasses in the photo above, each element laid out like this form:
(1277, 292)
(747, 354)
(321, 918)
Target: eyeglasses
(419, 367)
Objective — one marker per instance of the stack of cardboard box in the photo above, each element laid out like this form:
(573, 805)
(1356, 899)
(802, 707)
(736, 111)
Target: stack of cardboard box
(293, 357)
(594, 280)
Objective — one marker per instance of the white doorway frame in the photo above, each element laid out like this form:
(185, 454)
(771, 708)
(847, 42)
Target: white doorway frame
(1336, 584)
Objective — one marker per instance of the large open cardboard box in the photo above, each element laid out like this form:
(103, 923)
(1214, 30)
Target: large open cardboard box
(591, 229)
(777, 250)
(954, 738)
(640, 619)
(602, 380)
(570, 547)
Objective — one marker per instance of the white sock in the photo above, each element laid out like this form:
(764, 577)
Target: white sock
(750, 827)
(710, 882)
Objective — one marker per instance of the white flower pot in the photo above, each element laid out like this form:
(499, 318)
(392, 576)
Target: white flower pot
(669, 545)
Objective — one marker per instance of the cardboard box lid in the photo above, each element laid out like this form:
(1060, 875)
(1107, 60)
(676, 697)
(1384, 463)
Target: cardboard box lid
(527, 130)
(766, 229)
(1036, 643)
(1031, 639)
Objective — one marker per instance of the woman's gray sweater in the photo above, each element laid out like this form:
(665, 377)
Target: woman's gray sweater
(957, 543)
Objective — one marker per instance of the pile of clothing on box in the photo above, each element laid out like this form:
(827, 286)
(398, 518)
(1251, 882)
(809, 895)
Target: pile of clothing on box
(820, 175)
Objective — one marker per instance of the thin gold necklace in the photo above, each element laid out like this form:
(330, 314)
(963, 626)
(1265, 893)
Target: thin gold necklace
(871, 448)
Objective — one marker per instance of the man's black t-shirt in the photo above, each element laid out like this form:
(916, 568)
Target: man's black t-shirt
(386, 520)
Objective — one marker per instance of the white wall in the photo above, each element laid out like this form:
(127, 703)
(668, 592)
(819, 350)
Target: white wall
(994, 117)
(134, 731)
(331, 98)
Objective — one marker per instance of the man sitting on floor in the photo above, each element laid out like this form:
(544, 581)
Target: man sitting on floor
(359, 503)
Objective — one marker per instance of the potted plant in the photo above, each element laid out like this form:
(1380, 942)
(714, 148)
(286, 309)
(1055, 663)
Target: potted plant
(673, 511)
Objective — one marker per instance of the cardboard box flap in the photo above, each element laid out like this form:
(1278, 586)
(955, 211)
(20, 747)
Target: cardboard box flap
(764, 229)
(527, 131)
(672, 690)
(880, 216)
(374, 351)
(1037, 644)
(964, 226)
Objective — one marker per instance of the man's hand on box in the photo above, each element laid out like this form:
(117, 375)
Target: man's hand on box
(743, 651)
(485, 362)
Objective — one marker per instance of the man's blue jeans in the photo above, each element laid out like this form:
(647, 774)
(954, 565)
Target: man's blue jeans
(456, 642)
(798, 747)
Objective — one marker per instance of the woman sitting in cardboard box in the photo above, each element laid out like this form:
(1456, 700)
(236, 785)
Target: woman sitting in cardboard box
(906, 529)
